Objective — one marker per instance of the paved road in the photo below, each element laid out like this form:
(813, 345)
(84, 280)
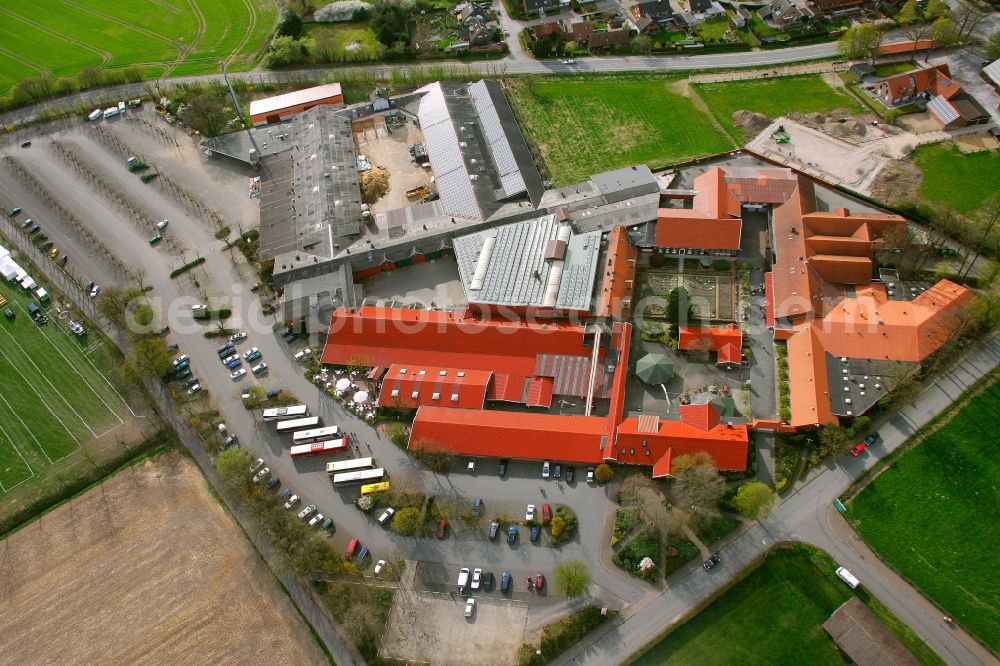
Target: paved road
(805, 516)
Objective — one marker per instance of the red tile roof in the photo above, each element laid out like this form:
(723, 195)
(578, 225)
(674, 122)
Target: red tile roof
(713, 222)
(908, 46)
(728, 446)
(540, 392)
(703, 416)
(619, 276)
(712, 338)
(502, 434)
(729, 354)
(410, 387)
(933, 80)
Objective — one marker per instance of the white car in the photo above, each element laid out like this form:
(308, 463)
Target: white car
(472, 465)
(379, 566)
(95, 291)
(199, 307)
(257, 465)
(259, 368)
(250, 351)
(569, 62)
(236, 374)
(463, 576)
(229, 359)
(545, 469)
(237, 336)
(180, 359)
(306, 511)
(477, 578)
(162, 224)
(470, 607)
(194, 389)
(315, 520)
(302, 354)
(292, 501)
(259, 476)
(529, 515)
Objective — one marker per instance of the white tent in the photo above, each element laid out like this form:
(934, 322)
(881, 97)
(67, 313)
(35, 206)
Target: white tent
(8, 268)
(4, 252)
(27, 282)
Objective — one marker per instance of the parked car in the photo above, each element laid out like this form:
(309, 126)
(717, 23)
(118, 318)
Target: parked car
(272, 483)
(502, 470)
(494, 529)
(868, 441)
(529, 514)
(183, 373)
(546, 513)
(352, 548)
(155, 239)
(180, 366)
(250, 352)
(505, 582)
(292, 501)
(26, 144)
(316, 520)
(306, 511)
(194, 389)
(226, 350)
(545, 469)
(199, 307)
(471, 467)
(229, 359)
(477, 507)
(261, 474)
(536, 531)
(237, 336)
(477, 578)
(512, 534)
(362, 554)
(557, 472)
(273, 393)
(379, 566)
(162, 224)
(327, 524)
(710, 563)
(236, 374)
(857, 450)
(286, 493)
(463, 577)
(191, 382)
(257, 465)
(442, 528)
(235, 363)
(386, 516)
(470, 607)
(590, 475)
(259, 369)
(302, 354)
(95, 291)
(180, 359)
(570, 474)
(539, 581)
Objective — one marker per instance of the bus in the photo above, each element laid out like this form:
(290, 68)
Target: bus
(292, 425)
(282, 413)
(363, 476)
(370, 488)
(317, 448)
(350, 465)
(316, 435)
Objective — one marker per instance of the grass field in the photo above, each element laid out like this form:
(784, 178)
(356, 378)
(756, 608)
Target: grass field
(892, 68)
(57, 393)
(332, 40)
(773, 616)
(773, 98)
(168, 37)
(933, 516)
(585, 126)
(953, 178)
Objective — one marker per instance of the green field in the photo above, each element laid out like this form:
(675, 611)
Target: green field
(332, 40)
(57, 393)
(956, 179)
(583, 126)
(773, 616)
(933, 516)
(167, 37)
(773, 98)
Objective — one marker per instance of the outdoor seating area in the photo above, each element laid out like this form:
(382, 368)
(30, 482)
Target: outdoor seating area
(352, 388)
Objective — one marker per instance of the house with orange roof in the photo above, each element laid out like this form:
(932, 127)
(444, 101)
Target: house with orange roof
(917, 84)
(725, 341)
(711, 226)
(851, 336)
(411, 387)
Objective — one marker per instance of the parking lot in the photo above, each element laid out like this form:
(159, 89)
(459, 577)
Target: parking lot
(433, 628)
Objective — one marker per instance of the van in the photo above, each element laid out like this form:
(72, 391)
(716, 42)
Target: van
(94, 115)
(110, 112)
(846, 576)
(386, 516)
(352, 547)
(463, 576)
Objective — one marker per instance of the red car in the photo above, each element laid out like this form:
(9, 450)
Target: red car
(442, 528)
(546, 513)
(539, 581)
(858, 450)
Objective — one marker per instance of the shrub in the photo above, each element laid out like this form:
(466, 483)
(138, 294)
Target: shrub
(603, 473)
(398, 435)
(558, 636)
(406, 521)
(564, 525)
(721, 265)
(366, 503)
(645, 544)
(222, 313)
(625, 521)
(188, 266)
(219, 332)
(657, 260)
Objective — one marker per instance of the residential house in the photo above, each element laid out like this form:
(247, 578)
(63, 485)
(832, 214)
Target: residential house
(659, 10)
(783, 13)
(537, 6)
(475, 32)
(740, 17)
(548, 28)
(960, 110)
(706, 8)
(919, 84)
(609, 39)
(837, 7)
(645, 26)
(991, 74)
(726, 342)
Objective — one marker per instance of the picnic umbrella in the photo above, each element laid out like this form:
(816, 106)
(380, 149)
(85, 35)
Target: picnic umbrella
(654, 368)
(343, 383)
(360, 396)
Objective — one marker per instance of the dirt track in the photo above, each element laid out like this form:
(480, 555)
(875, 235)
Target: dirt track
(146, 568)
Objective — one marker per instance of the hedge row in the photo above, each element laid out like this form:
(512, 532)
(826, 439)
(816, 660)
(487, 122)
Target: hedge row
(224, 313)
(188, 266)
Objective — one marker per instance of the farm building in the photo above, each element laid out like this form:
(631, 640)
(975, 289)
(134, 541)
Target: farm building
(271, 110)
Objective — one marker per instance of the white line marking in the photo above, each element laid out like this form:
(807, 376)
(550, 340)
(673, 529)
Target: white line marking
(26, 463)
(18, 417)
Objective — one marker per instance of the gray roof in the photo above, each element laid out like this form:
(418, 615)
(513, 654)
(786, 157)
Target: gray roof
(943, 109)
(271, 140)
(864, 383)
(535, 263)
(864, 639)
(310, 196)
(627, 182)
(992, 72)
(311, 297)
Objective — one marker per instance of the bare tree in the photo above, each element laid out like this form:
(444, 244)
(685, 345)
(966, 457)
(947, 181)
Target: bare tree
(967, 20)
(987, 216)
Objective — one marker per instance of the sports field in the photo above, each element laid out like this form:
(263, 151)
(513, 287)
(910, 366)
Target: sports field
(959, 180)
(773, 616)
(583, 126)
(57, 392)
(773, 98)
(933, 516)
(166, 37)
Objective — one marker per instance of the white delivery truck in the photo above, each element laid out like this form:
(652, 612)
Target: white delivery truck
(846, 576)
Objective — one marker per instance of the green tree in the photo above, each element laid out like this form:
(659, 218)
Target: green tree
(233, 466)
(151, 357)
(406, 521)
(834, 439)
(290, 25)
(257, 394)
(557, 526)
(679, 309)
(993, 46)
(944, 33)
(392, 21)
(936, 9)
(572, 577)
(909, 12)
(143, 315)
(642, 44)
(604, 473)
(685, 462)
(208, 112)
(860, 41)
(285, 50)
(754, 500)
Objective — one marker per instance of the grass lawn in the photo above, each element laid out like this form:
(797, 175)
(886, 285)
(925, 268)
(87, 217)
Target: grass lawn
(773, 98)
(891, 68)
(60, 39)
(57, 394)
(773, 616)
(341, 35)
(958, 180)
(933, 516)
(714, 29)
(583, 126)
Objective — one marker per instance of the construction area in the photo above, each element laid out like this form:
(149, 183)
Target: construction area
(388, 145)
